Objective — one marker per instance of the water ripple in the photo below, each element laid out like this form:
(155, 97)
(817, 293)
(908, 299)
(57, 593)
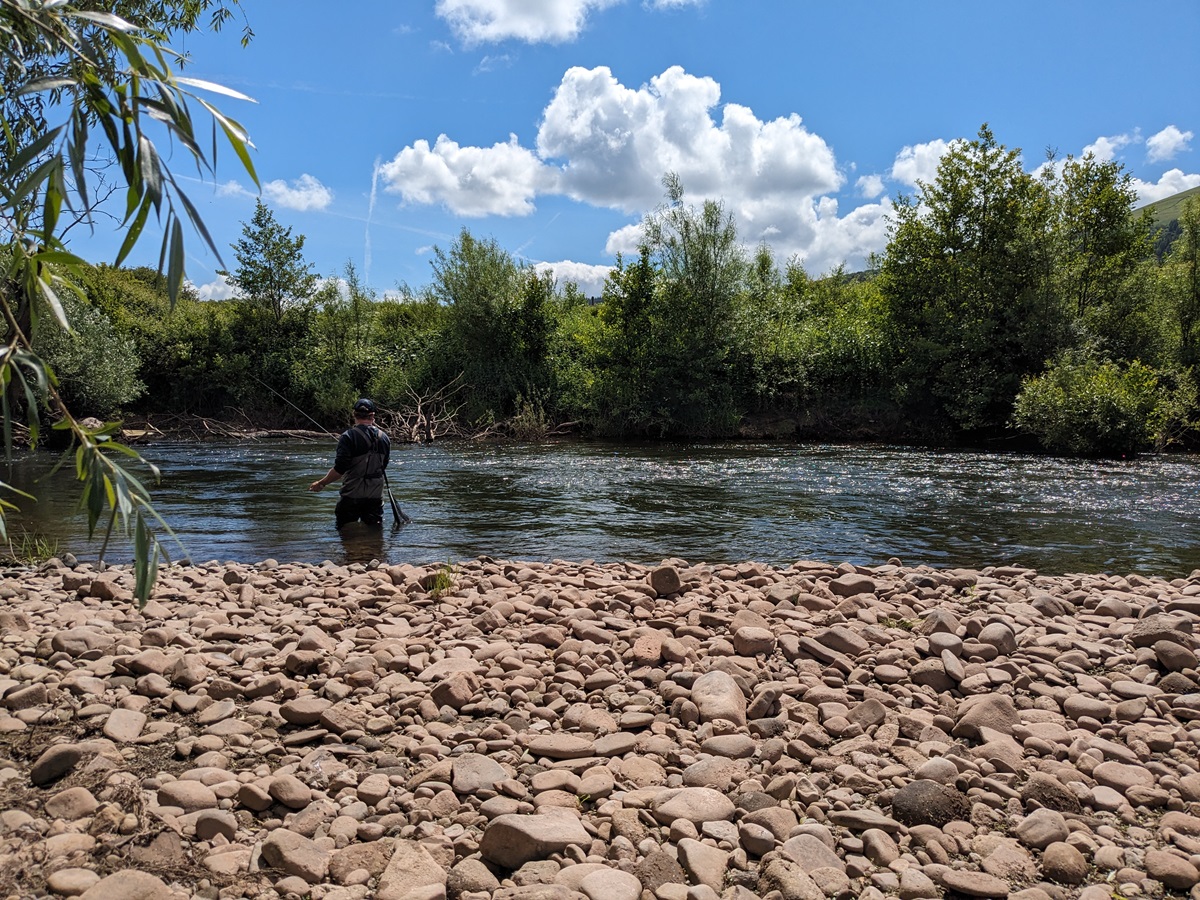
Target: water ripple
(716, 503)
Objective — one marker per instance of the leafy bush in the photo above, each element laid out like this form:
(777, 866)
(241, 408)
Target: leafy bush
(96, 367)
(185, 348)
(1086, 407)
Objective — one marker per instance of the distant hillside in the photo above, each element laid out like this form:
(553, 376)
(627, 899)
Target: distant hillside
(1168, 209)
(1165, 214)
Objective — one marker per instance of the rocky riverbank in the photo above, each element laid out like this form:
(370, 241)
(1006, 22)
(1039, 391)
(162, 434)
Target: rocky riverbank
(505, 730)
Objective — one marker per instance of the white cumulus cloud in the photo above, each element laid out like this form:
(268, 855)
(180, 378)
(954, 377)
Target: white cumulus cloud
(607, 144)
(624, 241)
(589, 278)
(304, 194)
(232, 189)
(919, 162)
(533, 21)
(217, 289)
(1167, 143)
(870, 186)
(470, 181)
(614, 143)
(1105, 148)
(1172, 182)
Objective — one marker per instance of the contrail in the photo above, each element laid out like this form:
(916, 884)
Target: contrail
(370, 212)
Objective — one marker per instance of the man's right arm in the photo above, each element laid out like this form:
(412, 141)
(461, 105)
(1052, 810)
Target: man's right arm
(331, 476)
(344, 457)
(341, 462)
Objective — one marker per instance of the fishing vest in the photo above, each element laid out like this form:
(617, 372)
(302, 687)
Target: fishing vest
(363, 480)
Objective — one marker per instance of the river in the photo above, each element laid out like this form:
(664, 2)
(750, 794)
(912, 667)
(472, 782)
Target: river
(772, 502)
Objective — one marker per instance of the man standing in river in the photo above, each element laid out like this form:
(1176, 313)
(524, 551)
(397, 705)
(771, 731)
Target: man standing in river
(362, 454)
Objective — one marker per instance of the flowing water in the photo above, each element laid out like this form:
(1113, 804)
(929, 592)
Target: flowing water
(774, 503)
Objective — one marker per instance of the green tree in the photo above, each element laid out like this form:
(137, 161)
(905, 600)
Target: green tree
(1098, 239)
(847, 344)
(345, 353)
(183, 347)
(96, 368)
(702, 270)
(967, 277)
(271, 270)
(1082, 406)
(1183, 273)
(770, 370)
(497, 327)
(81, 83)
(625, 373)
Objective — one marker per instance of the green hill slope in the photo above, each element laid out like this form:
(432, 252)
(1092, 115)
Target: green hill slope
(1168, 209)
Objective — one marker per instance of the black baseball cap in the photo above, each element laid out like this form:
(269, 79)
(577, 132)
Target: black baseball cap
(364, 406)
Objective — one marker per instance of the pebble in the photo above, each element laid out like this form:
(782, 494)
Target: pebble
(599, 732)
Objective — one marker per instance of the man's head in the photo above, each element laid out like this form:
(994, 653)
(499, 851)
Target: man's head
(364, 410)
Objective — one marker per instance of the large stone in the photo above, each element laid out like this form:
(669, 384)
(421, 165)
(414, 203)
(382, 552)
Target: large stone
(852, 584)
(809, 852)
(792, 882)
(562, 746)
(1078, 706)
(374, 788)
(78, 641)
(304, 711)
(611, 884)
(750, 641)
(1000, 636)
(190, 796)
(659, 868)
(73, 803)
(1064, 864)
(455, 690)
(411, 872)
(718, 696)
(54, 763)
(926, 802)
(372, 857)
(1173, 656)
(513, 840)
(128, 884)
(704, 863)
(1152, 629)
(994, 711)
(124, 725)
(1041, 828)
(294, 854)
(1122, 777)
(1048, 792)
(290, 791)
(71, 882)
(470, 876)
(696, 804)
(665, 580)
(973, 884)
(1171, 871)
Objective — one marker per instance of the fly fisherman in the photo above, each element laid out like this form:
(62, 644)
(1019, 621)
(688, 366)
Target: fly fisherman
(362, 455)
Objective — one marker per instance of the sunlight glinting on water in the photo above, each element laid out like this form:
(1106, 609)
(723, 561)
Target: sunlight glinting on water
(706, 503)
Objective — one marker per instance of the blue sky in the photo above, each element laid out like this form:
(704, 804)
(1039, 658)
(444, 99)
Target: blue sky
(384, 127)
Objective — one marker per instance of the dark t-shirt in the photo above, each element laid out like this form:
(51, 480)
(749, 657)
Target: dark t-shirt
(362, 454)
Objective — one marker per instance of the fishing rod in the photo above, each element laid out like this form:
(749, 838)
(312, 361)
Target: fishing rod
(399, 516)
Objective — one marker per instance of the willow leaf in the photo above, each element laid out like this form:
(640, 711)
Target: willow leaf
(133, 231)
(108, 20)
(214, 88)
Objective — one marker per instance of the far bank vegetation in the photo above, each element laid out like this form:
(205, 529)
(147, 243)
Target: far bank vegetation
(1009, 309)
